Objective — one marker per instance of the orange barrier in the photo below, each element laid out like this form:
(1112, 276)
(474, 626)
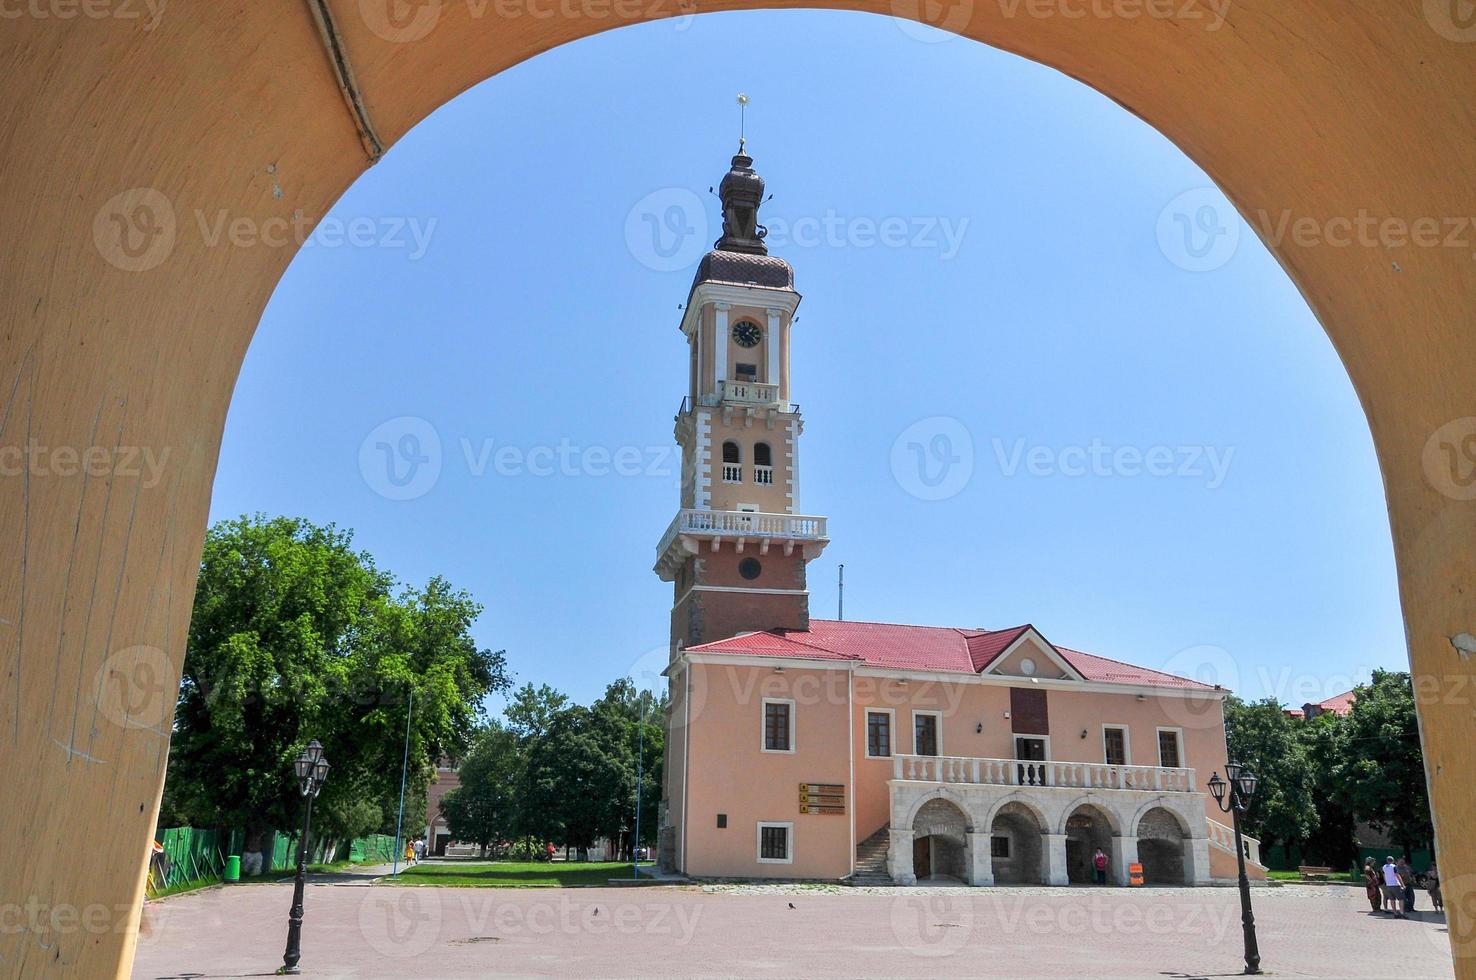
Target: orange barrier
(1135, 874)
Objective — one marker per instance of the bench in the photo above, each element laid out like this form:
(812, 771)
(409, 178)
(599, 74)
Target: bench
(1310, 872)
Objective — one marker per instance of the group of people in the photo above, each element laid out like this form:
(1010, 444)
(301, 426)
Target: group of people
(1391, 889)
(415, 850)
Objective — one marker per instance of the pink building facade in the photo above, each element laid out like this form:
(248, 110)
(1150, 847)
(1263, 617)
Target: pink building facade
(871, 752)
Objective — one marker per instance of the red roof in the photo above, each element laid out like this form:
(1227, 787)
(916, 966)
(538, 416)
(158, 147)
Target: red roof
(1340, 705)
(943, 649)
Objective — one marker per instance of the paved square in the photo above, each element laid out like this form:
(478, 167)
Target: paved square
(752, 931)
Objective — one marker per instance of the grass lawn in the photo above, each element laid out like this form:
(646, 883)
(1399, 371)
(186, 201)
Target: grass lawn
(1297, 876)
(514, 874)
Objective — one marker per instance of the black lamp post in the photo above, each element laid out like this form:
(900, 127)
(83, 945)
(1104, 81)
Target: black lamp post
(1241, 788)
(312, 773)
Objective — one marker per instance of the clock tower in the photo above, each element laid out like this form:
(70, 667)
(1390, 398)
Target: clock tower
(736, 551)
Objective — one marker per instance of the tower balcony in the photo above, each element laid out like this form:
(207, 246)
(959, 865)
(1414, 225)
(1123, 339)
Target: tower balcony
(745, 393)
(762, 531)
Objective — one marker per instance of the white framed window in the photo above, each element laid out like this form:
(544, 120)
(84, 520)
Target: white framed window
(775, 843)
(778, 725)
(1117, 745)
(879, 729)
(1171, 748)
(927, 733)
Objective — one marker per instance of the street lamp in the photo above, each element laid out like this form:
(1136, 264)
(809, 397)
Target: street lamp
(312, 773)
(1240, 788)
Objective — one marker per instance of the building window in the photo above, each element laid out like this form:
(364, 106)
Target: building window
(1168, 748)
(879, 734)
(778, 726)
(732, 463)
(774, 843)
(722, 821)
(750, 568)
(925, 736)
(999, 846)
(746, 372)
(763, 464)
(1114, 745)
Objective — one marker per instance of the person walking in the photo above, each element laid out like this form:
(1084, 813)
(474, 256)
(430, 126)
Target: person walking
(1393, 889)
(1371, 885)
(1432, 885)
(1407, 879)
(1099, 867)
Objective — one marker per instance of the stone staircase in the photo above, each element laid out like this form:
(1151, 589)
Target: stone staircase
(871, 861)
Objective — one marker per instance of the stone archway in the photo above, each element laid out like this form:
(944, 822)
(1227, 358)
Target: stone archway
(940, 842)
(1087, 827)
(1161, 848)
(1016, 845)
(313, 97)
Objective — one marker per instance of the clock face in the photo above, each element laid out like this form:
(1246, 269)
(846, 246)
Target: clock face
(746, 333)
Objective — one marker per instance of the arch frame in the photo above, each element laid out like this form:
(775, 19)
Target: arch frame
(151, 354)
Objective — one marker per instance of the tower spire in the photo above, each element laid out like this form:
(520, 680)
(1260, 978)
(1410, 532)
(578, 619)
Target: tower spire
(742, 120)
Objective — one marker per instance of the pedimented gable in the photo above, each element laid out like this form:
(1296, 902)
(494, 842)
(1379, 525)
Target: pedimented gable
(1032, 655)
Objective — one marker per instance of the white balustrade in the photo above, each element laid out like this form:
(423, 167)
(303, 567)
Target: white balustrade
(1023, 772)
(735, 523)
(763, 475)
(732, 473)
(1223, 835)
(749, 393)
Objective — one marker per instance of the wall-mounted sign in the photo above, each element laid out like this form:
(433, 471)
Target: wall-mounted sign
(822, 798)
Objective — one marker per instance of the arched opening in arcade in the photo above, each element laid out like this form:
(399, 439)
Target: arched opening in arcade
(1015, 845)
(1088, 828)
(1161, 848)
(940, 842)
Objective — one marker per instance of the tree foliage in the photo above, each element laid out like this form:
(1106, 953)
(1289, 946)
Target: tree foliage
(294, 636)
(1261, 735)
(1320, 777)
(574, 770)
(1380, 771)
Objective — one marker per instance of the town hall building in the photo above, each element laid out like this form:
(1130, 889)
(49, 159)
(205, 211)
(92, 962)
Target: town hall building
(872, 752)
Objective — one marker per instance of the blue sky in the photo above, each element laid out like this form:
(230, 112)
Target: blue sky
(1133, 432)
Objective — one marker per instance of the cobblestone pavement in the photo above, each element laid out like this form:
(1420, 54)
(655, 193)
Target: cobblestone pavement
(784, 931)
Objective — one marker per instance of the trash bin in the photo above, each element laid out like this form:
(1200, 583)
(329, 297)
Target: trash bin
(233, 868)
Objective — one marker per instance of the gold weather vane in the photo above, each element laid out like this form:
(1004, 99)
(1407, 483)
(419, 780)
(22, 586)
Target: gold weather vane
(742, 119)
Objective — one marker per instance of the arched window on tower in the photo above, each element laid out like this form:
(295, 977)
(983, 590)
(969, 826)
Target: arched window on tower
(763, 464)
(732, 462)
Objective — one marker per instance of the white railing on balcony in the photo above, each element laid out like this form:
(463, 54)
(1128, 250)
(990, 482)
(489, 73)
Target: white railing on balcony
(1019, 772)
(748, 392)
(1224, 836)
(732, 473)
(742, 523)
(763, 475)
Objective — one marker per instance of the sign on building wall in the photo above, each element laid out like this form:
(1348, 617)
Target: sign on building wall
(822, 798)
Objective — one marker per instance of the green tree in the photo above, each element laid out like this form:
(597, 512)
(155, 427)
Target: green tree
(1261, 735)
(483, 809)
(637, 716)
(1381, 774)
(295, 635)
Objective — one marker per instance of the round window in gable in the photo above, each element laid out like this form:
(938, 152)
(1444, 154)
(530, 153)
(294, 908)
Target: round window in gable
(750, 568)
(1027, 667)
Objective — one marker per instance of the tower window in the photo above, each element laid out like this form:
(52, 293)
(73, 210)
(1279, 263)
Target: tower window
(763, 470)
(746, 372)
(732, 463)
(750, 568)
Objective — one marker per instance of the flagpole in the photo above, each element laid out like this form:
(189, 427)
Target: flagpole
(404, 767)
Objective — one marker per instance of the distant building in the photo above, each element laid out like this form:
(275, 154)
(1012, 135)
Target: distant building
(1342, 704)
(800, 748)
(436, 833)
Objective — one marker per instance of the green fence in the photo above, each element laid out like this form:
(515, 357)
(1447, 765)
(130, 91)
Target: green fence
(193, 856)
